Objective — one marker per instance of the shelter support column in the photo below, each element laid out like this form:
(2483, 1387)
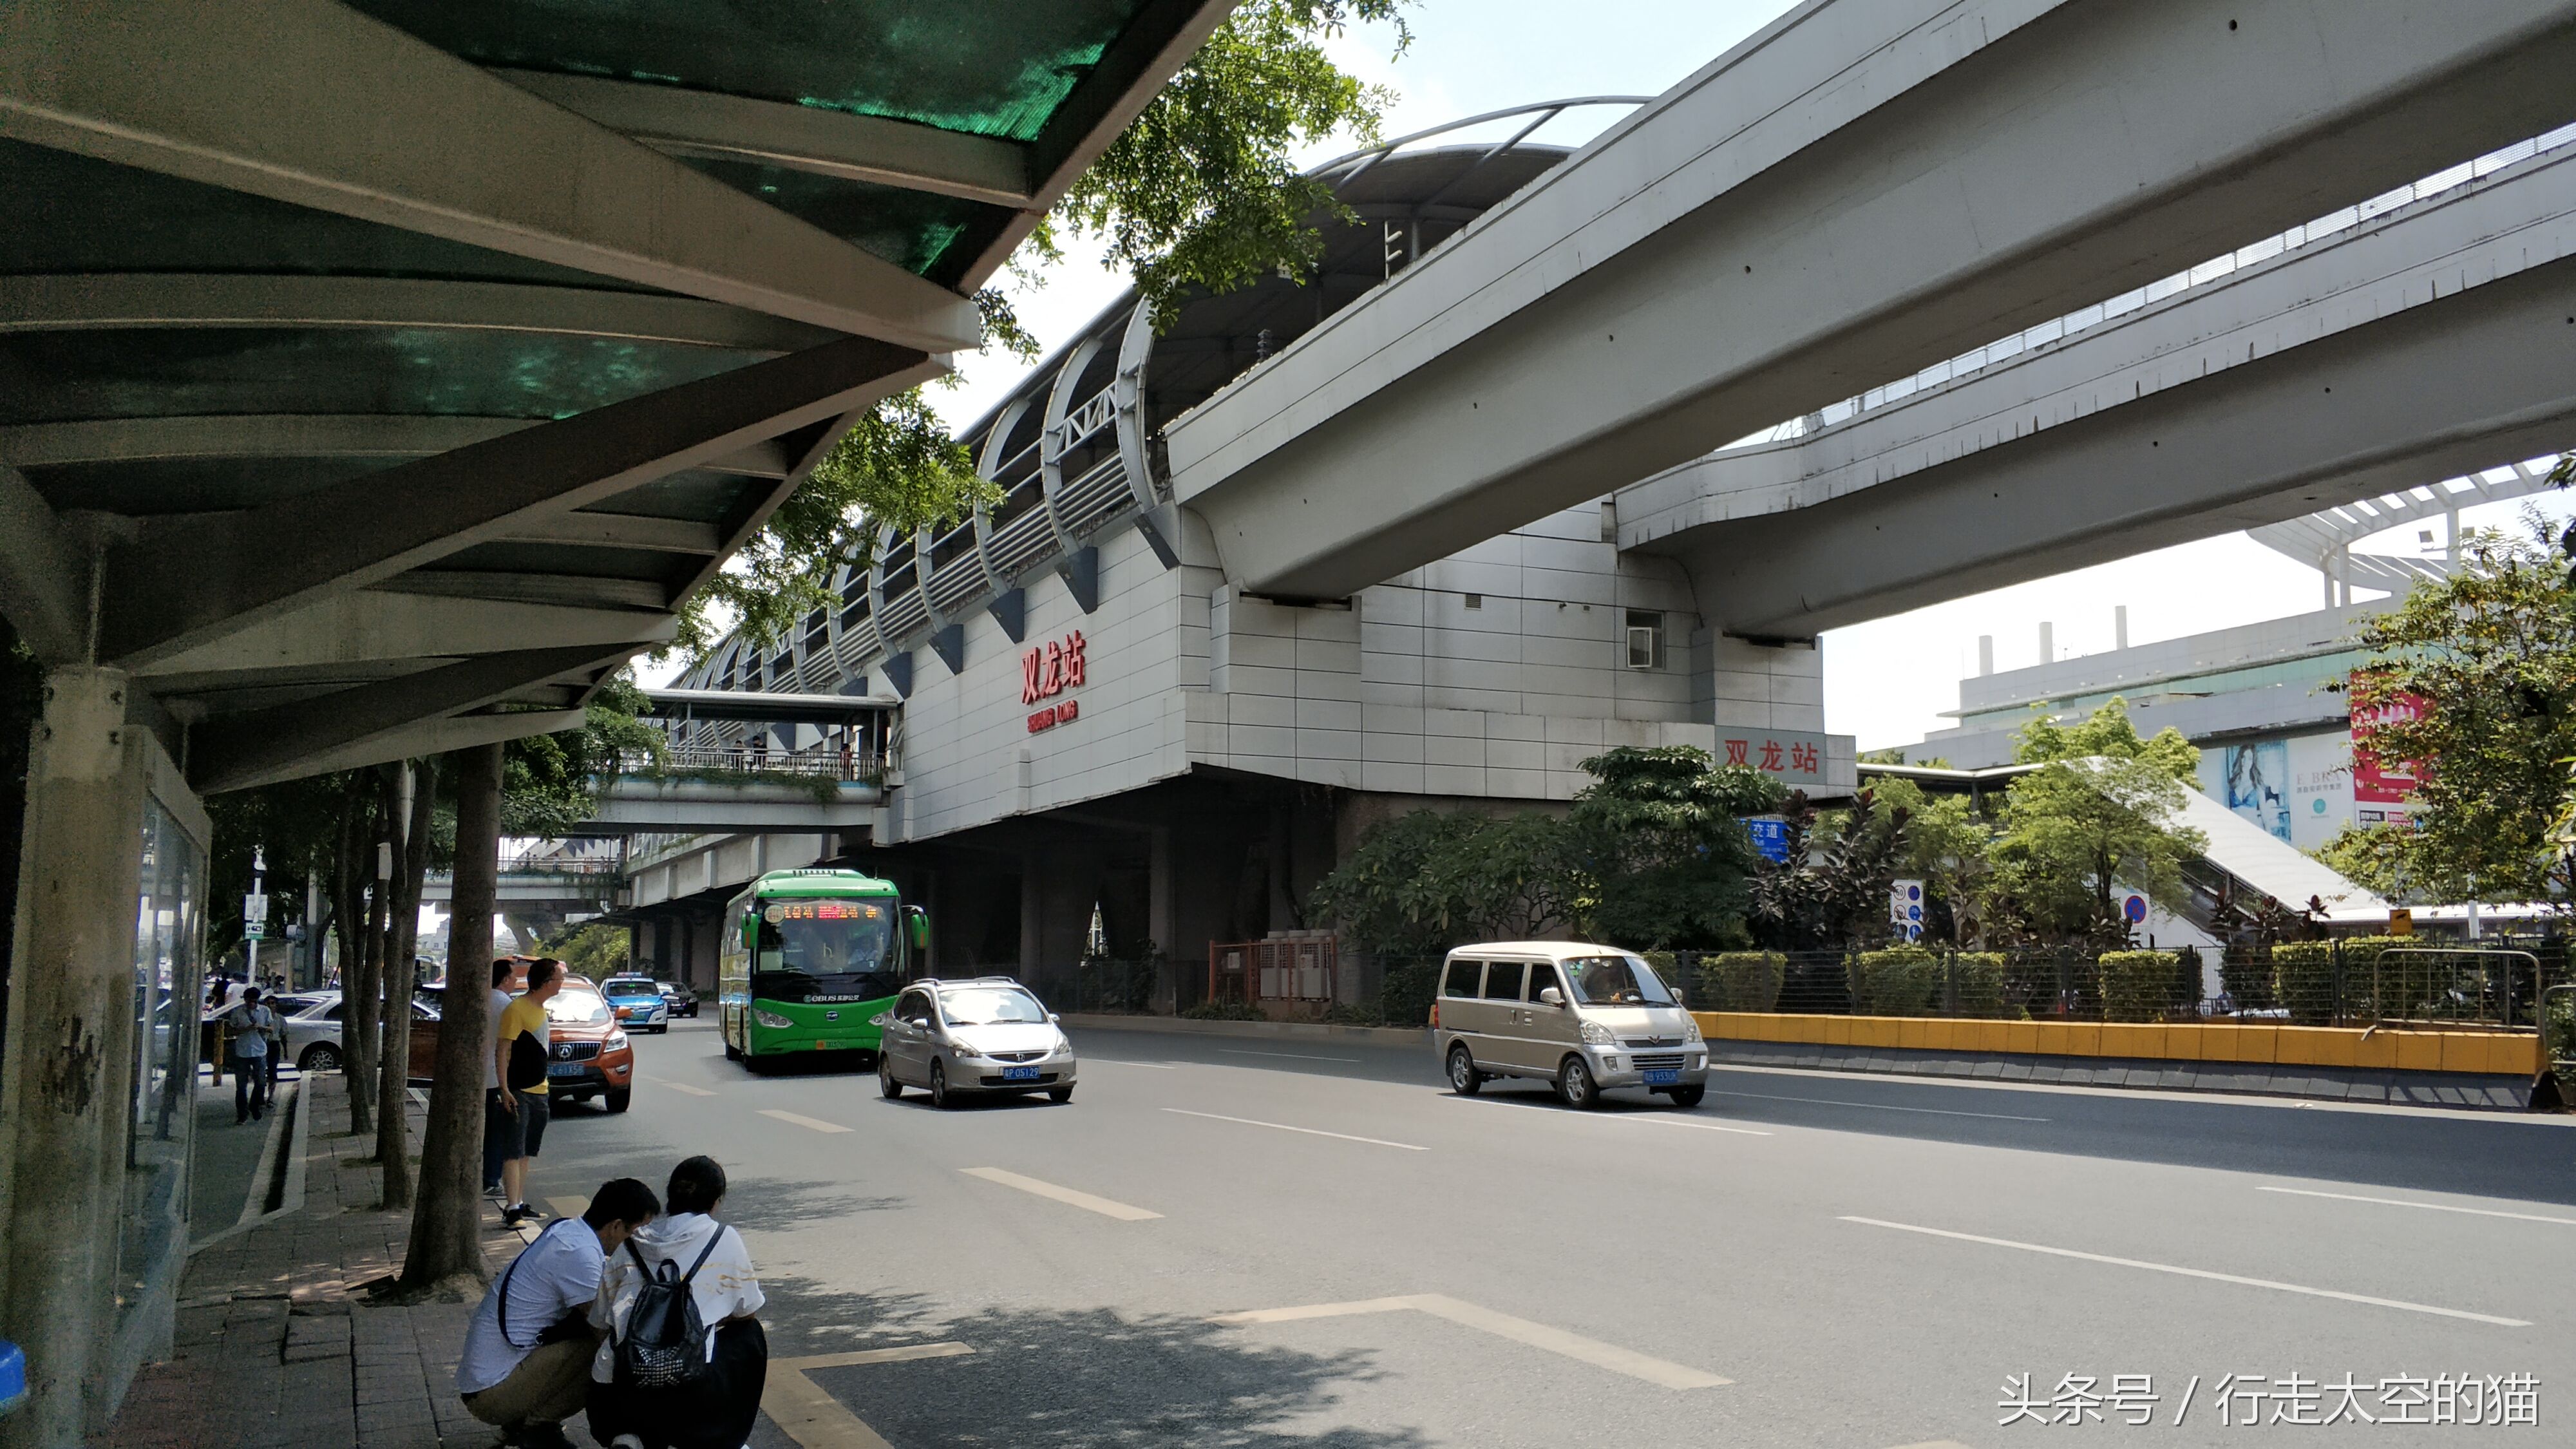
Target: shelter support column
(69, 1055)
(1162, 923)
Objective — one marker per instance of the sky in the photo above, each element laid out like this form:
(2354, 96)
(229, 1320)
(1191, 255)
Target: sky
(1888, 681)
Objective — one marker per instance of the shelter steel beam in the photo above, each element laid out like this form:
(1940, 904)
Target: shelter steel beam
(85, 301)
(298, 435)
(283, 741)
(311, 102)
(799, 138)
(192, 580)
(365, 627)
(44, 573)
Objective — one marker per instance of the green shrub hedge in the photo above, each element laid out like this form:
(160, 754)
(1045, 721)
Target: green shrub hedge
(1740, 981)
(2137, 985)
(2303, 978)
(1899, 981)
(1979, 978)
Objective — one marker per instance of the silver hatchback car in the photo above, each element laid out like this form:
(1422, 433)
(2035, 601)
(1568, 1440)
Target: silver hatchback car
(984, 1035)
(1587, 1018)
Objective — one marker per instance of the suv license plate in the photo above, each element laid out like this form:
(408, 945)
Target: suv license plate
(564, 1069)
(1019, 1074)
(1663, 1077)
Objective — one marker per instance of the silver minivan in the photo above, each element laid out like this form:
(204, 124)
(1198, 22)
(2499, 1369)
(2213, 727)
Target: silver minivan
(1587, 1018)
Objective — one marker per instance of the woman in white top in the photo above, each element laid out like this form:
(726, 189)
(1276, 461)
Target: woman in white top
(713, 1412)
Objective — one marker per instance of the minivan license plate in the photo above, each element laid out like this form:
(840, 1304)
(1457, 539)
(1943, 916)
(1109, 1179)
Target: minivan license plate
(1019, 1074)
(1663, 1077)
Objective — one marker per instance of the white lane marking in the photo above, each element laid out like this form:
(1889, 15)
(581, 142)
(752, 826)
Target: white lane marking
(1284, 1127)
(813, 1123)
(1502, 1325)
(1118, 1062)
(1880, 1106)
(1571, 1115)
(1101, 1205)
(2439, 1207)
(1292, 1056)
(2200, 1273)
(816, 1420)
(683, 1087)
(1935, 1444)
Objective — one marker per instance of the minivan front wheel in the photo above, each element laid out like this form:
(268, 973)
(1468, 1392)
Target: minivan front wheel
(1464, 1079)
(1574, 1083)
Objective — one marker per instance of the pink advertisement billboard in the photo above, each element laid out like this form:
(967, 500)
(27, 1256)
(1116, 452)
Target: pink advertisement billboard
(2377, 781)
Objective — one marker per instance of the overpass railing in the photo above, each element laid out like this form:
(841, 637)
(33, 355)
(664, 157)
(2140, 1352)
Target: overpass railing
(731, 762)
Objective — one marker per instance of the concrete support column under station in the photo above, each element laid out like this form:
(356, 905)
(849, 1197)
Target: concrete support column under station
(70, 1053)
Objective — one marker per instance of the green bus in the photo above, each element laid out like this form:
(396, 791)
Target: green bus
(810, 959)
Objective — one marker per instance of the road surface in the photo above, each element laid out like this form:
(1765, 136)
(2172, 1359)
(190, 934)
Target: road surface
(1248, 1242)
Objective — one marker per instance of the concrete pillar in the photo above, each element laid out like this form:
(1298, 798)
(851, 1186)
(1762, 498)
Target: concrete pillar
(1162, 923)
(1749, 685)
(2120, 626)
(1032, 911)
(2047, 642)
(1283, 905)
(1985, 655)
(69, 1056)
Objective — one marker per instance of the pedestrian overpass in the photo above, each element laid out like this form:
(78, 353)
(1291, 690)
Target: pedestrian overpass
(1864, 188)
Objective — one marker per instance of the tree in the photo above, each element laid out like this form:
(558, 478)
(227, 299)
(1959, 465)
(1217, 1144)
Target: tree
(2491, 653)
(2096, 819)
(1198, 192)
(447, 1229)
(1428, 879)
(1829, 889)
(1661, 834)
(1946, 845)
(593, 949)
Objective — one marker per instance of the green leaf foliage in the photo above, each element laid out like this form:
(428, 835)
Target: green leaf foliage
(2138, 985)
(2097, 821)
(1662, 832)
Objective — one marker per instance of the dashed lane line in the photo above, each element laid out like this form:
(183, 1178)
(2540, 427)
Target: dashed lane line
(815, 1124)
(683, 1087)
(1101, 1205)
(1660, 1372)
(1284, 1127)
(1288, 1056)
(1881, 1106)
(2438, 1207)
(1664, 1119)
(1120, 1062)
(814, 1419)
(2301, 1289)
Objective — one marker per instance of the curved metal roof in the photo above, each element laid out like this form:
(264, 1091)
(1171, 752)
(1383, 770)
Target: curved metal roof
(398, 366)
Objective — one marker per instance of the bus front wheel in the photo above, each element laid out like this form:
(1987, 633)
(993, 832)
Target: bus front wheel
(732, 1053)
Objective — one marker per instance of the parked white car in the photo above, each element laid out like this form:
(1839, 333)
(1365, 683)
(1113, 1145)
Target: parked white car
(312, 1022)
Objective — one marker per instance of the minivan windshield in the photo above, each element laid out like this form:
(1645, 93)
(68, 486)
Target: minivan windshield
(989, 1006)
(1615, 981)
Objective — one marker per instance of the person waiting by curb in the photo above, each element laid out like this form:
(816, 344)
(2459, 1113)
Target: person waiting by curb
(692, 1377)
(501, 1136)
(519, 1052)
(526, 1362)
(252, 1026)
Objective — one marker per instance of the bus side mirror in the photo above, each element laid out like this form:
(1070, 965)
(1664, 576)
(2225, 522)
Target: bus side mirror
(751, 933)
(920, 921)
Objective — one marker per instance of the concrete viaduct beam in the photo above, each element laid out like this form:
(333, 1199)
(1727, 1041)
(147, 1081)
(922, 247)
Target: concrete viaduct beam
(1863, 189)
(2426, 342)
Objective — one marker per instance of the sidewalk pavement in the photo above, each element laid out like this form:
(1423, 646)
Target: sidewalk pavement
(277, 1347)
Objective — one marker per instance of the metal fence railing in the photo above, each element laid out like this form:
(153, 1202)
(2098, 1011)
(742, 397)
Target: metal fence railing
(2497, 985)
(734, 760)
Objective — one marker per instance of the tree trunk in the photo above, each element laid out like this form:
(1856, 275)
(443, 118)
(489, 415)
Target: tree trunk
(411, 864)
(446, 1230)
(348, 883)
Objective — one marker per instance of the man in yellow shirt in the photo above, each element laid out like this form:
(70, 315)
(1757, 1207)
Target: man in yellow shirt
(519, 1055)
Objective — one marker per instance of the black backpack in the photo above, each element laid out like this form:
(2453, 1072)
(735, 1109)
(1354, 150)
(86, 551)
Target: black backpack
(665, 1343)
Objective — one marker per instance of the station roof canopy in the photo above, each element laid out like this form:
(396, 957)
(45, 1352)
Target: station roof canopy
(376, 376)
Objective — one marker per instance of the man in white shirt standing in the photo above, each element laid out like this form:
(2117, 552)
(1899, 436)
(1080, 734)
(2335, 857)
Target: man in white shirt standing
(501, 1130)
(717, 1411)
(526, 1362)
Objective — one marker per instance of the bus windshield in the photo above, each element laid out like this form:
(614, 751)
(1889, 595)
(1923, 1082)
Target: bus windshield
(826, 950)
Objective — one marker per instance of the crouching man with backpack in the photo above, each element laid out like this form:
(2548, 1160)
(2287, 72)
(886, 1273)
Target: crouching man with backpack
(527, 1352)
(682, 1359)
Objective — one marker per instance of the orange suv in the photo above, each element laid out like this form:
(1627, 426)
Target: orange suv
(587, 1053)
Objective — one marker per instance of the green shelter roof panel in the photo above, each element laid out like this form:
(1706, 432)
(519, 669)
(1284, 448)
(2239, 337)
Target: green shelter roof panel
(149, 372)
(69, 214)
(695, 494)
(584, 561)
(927, 234)
(144, 486)
(994, 68)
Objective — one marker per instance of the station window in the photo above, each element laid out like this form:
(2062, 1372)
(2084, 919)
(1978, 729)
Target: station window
(1475, 601)
(1645, 642)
